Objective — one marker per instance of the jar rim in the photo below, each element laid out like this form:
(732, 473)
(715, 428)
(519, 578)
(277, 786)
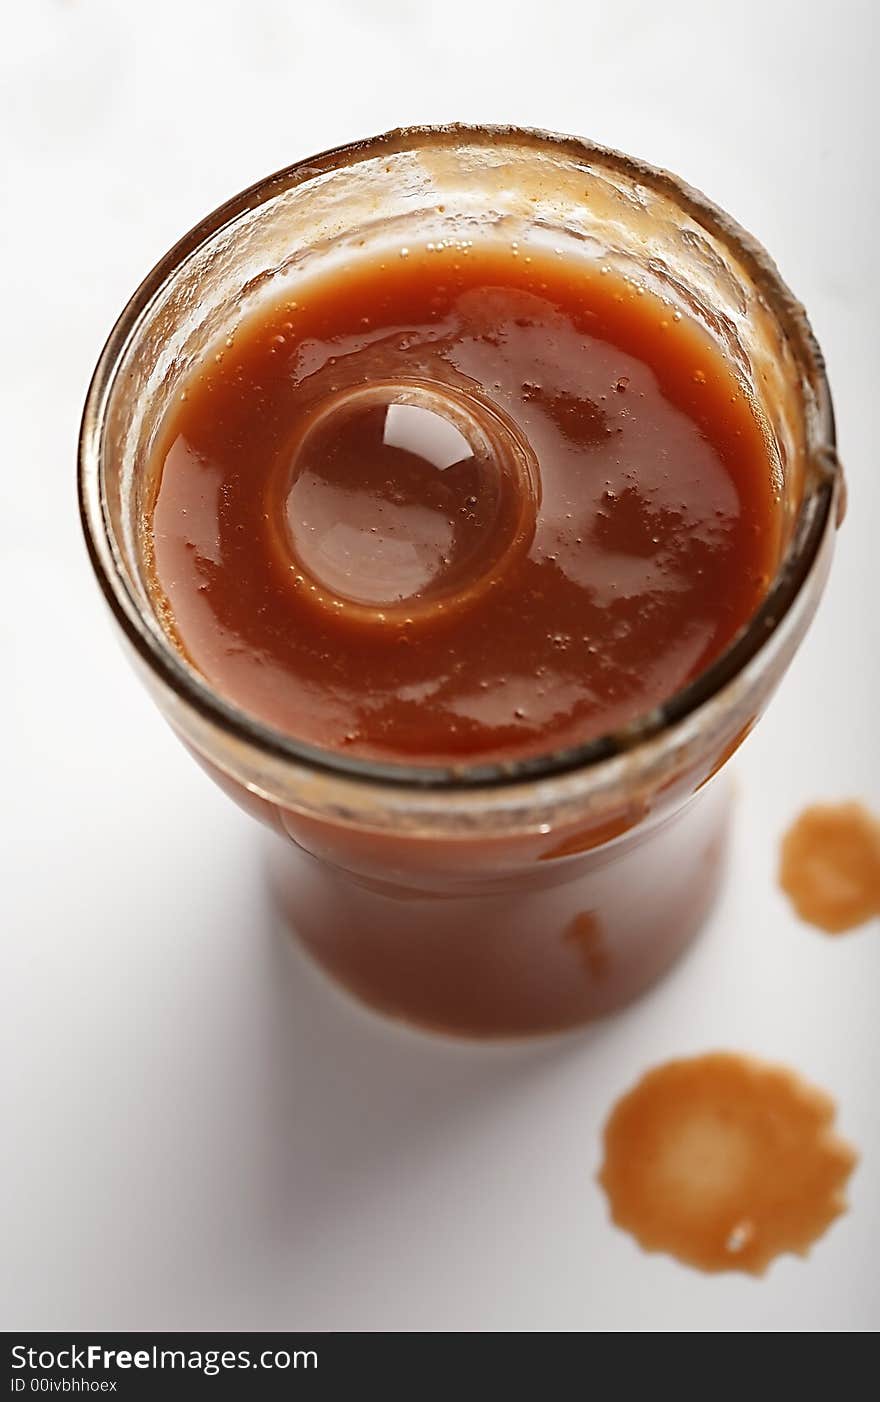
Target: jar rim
(161, 656)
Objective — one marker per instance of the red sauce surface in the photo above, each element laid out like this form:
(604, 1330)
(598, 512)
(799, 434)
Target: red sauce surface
(567, 518)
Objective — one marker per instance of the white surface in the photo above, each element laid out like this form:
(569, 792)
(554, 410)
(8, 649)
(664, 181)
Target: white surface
(203, 1135)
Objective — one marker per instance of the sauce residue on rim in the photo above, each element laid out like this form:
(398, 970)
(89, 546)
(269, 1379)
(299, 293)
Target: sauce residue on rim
(725, 1162)
(830, 866)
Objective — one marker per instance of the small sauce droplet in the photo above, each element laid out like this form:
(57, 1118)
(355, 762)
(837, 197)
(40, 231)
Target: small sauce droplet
(725, 1162)
(830, 866)
(585, 934)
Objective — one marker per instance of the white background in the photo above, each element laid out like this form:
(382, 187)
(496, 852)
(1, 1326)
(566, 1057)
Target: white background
(203, 1135)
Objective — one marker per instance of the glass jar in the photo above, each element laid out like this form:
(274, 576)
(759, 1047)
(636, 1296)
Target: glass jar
(494, 899)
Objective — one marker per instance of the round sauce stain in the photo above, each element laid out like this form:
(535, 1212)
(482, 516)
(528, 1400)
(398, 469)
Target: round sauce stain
(830, 866)
(725, 1163)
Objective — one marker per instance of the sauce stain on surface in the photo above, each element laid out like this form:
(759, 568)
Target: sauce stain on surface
(725, 1162)
(830, 866)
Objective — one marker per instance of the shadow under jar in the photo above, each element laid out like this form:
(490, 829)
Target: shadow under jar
(497, 898)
